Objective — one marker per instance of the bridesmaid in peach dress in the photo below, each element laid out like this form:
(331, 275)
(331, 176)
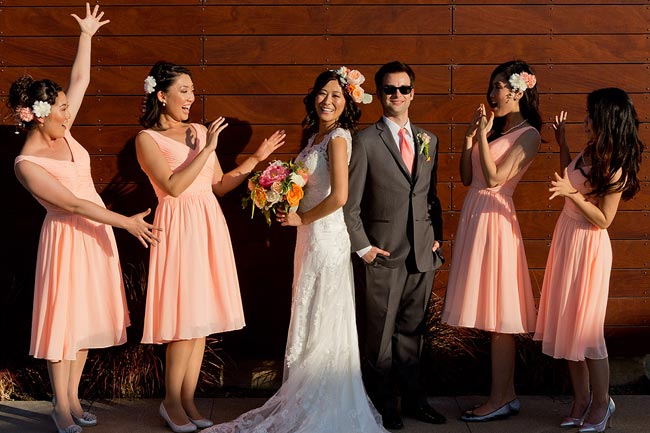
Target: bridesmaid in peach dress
(193, 290)
(489, 285)
(576, 282)
(79, 300)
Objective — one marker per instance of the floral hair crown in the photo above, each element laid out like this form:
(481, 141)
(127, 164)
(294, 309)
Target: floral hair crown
(351, 80)
(149, 84)
(522, 81)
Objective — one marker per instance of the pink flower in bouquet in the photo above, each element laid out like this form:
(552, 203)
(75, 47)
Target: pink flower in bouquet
(275, 172)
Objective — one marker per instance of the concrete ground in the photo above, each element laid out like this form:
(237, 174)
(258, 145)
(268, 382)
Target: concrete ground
(539, 414)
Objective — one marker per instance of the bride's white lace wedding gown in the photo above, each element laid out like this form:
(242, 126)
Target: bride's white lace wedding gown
(322, 390)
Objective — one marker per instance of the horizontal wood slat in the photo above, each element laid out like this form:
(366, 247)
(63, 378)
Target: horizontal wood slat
(425, 49)
(110, 50)
(553, 18)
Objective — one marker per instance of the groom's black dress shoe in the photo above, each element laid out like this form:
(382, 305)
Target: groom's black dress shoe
(424, 413)
(392, 420)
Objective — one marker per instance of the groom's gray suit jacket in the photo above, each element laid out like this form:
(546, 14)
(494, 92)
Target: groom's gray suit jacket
(387, 206)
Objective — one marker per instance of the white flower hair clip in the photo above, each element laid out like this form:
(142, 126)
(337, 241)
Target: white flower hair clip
(149, 84)
(522, 81)
(41, 109)
(352, 79)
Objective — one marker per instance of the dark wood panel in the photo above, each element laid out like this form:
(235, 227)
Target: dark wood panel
(425, 49)
(555, 19)
(104, 140)
(327, 20)
(628, 311)
(109, 50)
(558, 78)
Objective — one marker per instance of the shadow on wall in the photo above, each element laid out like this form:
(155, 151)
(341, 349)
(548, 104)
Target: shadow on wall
(264, 257)
(23, 217)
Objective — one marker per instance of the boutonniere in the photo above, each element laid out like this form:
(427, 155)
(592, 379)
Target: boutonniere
(424, 140)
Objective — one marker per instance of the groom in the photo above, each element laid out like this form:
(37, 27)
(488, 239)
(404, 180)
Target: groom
(394, 217)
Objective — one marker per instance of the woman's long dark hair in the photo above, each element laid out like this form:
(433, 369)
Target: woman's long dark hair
(165, 74)
(529, 102)
(617, 145)
(350, 116)
(25, 91)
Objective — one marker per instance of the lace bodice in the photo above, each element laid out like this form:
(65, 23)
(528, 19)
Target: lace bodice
(316, 160)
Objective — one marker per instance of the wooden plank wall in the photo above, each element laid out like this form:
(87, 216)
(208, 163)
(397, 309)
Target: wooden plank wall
(253, 61)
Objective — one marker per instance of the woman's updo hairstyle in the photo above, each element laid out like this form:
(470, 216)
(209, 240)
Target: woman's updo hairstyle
(25, 91)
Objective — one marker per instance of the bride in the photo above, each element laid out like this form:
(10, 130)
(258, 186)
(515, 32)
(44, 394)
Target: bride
(322, 390)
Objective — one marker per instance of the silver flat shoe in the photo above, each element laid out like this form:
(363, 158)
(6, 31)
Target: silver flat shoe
(515, 406)
(74, 428)
(87, 419)
(185, 428)
(202, 423)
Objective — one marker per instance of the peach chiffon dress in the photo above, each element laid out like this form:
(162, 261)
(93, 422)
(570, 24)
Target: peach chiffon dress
(79, 300)
(576, 284)
(193, 289)
(489, 284)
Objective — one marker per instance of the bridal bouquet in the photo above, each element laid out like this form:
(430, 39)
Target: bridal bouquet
(278, 186)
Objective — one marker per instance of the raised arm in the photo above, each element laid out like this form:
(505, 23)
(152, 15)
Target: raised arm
(521, 153)
(44, 186)
(80, 74)
(560, 137)
(468, 144)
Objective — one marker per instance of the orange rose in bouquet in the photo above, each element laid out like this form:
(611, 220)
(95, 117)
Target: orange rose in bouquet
(279, 186)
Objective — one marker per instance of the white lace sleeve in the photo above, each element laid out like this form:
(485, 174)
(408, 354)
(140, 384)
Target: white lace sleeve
(345, 134)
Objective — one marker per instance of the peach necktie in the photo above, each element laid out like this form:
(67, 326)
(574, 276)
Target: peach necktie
(405, 150)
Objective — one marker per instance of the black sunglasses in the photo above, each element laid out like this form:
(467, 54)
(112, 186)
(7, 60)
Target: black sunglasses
(391, 90)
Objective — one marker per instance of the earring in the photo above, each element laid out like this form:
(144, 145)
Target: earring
(164, 104)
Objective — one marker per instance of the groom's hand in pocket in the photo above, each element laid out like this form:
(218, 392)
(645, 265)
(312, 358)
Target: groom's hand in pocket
(371, 255)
